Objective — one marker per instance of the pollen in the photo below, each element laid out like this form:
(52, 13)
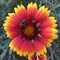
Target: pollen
(29, 30)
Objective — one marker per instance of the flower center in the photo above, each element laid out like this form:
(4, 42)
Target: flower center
(29, 30)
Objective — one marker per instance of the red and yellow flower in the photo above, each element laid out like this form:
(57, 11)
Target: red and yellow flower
(31, 29)
(36, 57)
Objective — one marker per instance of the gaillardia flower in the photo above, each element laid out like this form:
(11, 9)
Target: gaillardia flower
(31, 29)
(35, 57)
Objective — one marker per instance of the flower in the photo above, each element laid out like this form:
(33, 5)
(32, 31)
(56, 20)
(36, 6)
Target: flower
(31, 29)
(36, 57)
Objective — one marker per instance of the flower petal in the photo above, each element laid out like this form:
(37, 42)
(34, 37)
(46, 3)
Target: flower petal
(45, 42)
(20, 45)
(48, 33)
(39, 48)
(50, 30)
(42, 14)
(51, 23)
(20, 11)
(31, 10)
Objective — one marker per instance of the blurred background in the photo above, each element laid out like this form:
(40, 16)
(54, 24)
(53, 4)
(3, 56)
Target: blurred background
(7, 6)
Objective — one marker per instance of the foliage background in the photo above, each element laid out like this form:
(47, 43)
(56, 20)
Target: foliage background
(7, 6)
